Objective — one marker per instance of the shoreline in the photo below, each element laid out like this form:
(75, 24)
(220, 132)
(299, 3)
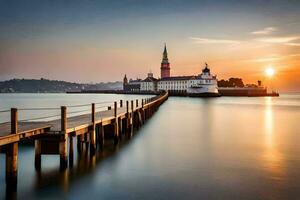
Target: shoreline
(230, 93)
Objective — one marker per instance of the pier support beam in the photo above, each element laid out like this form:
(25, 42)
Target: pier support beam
(63, 153)
(120, 128)
(101, 135)
(11, 165)
(116, 126)
(38, 154)
(79, 143)
(71, 151)
(12, 154)
(93, 132)
(63, 145)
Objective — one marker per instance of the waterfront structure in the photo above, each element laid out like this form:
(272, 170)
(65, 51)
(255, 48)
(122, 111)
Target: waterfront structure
(196, 85)
(51, 137)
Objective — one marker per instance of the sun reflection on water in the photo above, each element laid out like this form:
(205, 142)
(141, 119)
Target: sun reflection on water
(273, 161)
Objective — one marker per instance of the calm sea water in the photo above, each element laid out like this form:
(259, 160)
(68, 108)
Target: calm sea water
(221, 148)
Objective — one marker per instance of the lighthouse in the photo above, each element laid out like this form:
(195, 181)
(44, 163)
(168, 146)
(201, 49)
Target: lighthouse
(165, 65)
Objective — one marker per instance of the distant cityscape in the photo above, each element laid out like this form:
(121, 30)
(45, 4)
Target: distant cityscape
(203, 84)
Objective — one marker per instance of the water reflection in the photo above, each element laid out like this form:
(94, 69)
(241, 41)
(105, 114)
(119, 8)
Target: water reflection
(273, 160)
(85, 164)
(191, 149)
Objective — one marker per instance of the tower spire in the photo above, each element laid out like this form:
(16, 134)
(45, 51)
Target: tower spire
(165, 50)
(165, 65)
(165, 55)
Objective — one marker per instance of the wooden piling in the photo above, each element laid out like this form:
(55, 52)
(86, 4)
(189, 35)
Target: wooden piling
(38, 153)
(12, 153)
(137, 103)
(71, 151)
(101, 135)
(121, 103)
(116, 126)
(93, 131)
(79, 143)
(63, 146)
(131, 120)
(127, 121)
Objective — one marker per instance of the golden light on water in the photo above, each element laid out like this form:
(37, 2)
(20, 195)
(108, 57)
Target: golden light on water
(273, 160)
(270, 72)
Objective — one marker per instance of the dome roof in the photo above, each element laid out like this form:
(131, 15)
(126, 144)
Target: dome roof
(206, 69)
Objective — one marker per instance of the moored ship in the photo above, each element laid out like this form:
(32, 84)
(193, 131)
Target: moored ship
(204, 85)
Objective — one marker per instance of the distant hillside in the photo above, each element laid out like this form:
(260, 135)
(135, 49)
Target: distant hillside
(52, 86)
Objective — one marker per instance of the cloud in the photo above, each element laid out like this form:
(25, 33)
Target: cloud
(293, 44)
(213, 41)
(273, 58)
(279, 40)
(270, 58)
(265, 31)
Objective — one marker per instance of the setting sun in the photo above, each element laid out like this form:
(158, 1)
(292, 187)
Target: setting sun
(270, 72)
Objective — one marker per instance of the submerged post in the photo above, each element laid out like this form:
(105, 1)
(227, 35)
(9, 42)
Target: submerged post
(63, 147)
(12, 153)
(93, 131)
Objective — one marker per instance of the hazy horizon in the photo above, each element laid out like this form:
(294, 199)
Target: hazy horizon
(100, 41)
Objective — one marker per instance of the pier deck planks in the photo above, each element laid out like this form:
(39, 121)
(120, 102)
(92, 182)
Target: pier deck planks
(73, 123)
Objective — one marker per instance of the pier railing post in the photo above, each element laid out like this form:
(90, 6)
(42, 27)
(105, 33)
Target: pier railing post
(131, 119)
(127, 107)
(12, 154)
(137, 103)
(143, 111)
(121, 103)
(93, 131)
(116, 126)
(131, 105)
(127, 120)
(63, 147)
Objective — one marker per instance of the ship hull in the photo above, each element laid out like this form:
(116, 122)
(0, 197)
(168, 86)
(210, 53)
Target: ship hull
(203, 91)
(204, 94)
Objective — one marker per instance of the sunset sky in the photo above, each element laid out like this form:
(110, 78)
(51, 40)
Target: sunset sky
(96, 41)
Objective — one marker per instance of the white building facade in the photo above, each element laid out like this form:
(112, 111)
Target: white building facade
(204, 83)
(149, 84)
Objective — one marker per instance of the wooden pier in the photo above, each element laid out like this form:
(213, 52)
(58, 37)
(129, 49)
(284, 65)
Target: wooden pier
(52, 137)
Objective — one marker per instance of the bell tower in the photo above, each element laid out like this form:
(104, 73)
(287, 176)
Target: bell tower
(165, 65)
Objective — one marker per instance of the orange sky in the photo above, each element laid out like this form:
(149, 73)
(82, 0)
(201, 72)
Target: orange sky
(100, 41)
